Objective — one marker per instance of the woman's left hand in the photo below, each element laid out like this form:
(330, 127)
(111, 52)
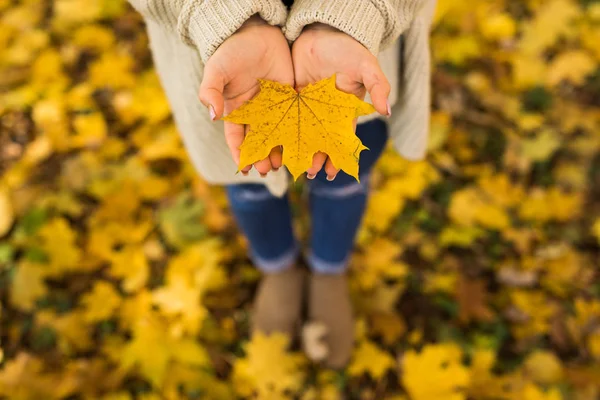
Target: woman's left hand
(321, 51)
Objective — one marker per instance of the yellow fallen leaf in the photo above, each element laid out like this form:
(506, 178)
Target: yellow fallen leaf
(58, 240)
(498, 26)
(91, 130)
(596, 229)
(551, 22)
(370, 359)
(532, 392)
(181, 297)
(319, 118)
(585, 313)
(101, 302)
(112, 70)
(96, 37)
(593, 343)
(152, 348)
(27, 285)
(544, 367)
(268, 370)
(131, 265)
(313, 341)
(482, 379)
(6, 212)
(541, 147)
(74, 334)
(573, 66)
(435, 373)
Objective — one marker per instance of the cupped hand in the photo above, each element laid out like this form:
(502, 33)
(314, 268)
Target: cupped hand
(256, 51)
(321, 51)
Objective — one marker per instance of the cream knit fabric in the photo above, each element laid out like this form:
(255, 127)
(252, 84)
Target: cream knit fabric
(185, 33)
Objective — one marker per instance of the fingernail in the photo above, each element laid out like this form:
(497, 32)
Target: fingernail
(330, 178)
(311, 176)
(389, 109)
(245, 173)
(212, 112)
(263, 175)
(275, 169)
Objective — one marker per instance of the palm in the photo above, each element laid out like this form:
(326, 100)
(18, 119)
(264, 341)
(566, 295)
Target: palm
(256, 51)
(322, 51)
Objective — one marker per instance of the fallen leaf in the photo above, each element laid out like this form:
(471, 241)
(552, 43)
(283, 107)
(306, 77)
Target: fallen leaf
(369, 359)
(313, 343)
(27, 285)
(101, 302)
(544, 367)
(573, 66)
(6, 212)
(319, 118)
(532, 392)
(472, 300)
(153, 348)
(268, 370)
(435, 373)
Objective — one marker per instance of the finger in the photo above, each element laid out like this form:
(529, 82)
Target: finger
(263, 166)
(211, 91)
(234, 136)
(330, 170)
(276, 158)
(318, 161)
(246, 170)
(378, 87)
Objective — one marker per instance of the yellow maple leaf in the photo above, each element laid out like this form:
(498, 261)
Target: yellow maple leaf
(550, 23)
(131, 265)
(58, 241)
(96, 37)
(585, 313)
(435, 373)
(112, 70)
(536, 313)
(593, 343)
(180, 298)
(6, 212)
(532, 392)
(541, 147)
(482, 378)
(369, 359)
(91, 130)
(101, 302)
(319, 118)
(153, 348)
(573, 66)
(268, 370)
(544, 367)
(74, 334)
(27, 285)
(498, 26)
(553, 204)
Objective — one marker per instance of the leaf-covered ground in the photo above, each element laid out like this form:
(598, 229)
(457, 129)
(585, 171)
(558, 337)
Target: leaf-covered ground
(476, 273)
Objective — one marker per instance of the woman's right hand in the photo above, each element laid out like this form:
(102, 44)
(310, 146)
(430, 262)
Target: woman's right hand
(256, 51)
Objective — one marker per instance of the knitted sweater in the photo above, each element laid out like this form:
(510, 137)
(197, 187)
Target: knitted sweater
(185, 33)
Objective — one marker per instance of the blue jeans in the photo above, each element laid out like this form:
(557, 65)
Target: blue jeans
(336, 207)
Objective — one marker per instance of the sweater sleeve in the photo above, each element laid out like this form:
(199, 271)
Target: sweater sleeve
(374, 23)
(205, 24)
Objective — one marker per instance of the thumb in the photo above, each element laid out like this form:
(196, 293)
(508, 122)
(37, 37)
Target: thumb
(211, 92)
(378, 87)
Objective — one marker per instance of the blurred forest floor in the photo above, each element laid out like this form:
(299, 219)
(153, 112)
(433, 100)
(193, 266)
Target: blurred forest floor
(476, 275)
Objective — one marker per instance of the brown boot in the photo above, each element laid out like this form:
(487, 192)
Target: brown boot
(278, 302)
(329, 304)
